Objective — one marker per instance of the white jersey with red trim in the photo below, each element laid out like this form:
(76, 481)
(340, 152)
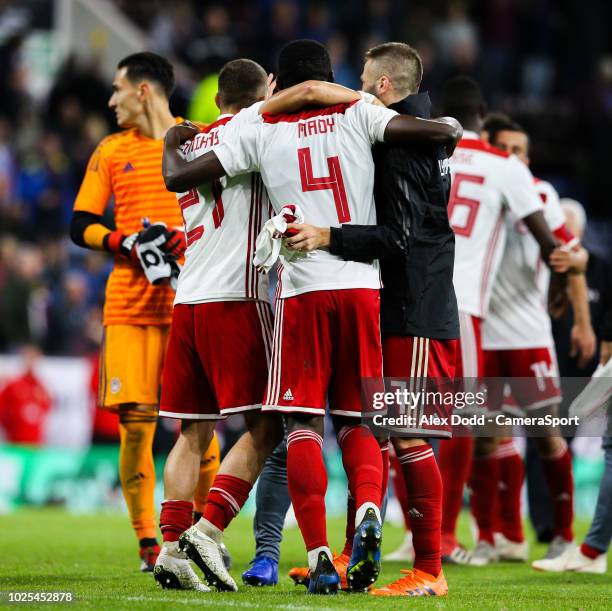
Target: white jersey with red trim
(222, 220)
(321, 160)
(518, 315)
(486, 184)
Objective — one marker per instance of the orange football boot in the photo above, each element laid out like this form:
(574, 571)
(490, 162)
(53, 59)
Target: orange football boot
(301, 575)
(340, 564)
(415, 583)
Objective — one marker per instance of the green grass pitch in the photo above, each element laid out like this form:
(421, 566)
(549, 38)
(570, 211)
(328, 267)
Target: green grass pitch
(95, 558)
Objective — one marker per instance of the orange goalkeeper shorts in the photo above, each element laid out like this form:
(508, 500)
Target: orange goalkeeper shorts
(131, 362)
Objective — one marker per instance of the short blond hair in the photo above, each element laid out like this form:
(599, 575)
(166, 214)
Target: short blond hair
(400, 62)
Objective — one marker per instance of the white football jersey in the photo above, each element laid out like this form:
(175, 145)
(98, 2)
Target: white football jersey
(320, 159)
(486, 184)
(518, 311)
(222, 221)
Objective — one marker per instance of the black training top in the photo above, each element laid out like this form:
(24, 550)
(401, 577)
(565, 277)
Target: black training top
(413, 238)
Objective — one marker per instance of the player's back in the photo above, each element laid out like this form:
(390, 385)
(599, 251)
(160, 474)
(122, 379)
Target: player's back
(222, 221)
(518, 316)
(486, 182)
(320, 159)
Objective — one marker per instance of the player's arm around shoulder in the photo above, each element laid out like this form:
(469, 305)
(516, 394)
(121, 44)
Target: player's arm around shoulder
(404, 129)
(179, 174)
(308, 93)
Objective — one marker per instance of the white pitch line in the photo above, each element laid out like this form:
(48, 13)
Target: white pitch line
(217, 601)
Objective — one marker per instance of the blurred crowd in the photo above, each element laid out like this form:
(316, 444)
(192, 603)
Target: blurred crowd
(547, 62)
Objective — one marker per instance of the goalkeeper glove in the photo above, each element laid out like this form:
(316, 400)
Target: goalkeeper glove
(175, 244)
(122, 244)
(156, 263)
(170, 242)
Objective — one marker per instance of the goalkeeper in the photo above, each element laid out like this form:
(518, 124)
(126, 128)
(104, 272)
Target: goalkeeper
(126, 167)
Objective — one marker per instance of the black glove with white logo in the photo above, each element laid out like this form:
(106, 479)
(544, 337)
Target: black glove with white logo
(150, 248)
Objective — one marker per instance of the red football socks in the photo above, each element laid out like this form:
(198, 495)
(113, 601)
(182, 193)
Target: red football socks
(590, 552)
(350, 525)
(307, 480)
(455, 461)
(175, 518)
(399, 487)
(362, 460)
(511, 476)
(351, 508)
(225, 499)
(558, 474)
(484, 485)
(384, 452)
(424, 492)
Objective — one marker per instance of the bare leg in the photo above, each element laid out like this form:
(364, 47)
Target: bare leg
(246, 459)
(182, 468)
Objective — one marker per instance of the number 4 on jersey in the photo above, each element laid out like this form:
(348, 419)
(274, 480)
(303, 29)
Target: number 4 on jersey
(334, 182)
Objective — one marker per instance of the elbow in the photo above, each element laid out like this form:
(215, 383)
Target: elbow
(309, 91)
(173, 182)
(76, 232)
(79, 223)
(454, 131)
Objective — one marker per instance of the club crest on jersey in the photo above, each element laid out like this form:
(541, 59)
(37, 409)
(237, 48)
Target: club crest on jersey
(314, 127)
(115, 385)
(128, 167)
(288, 396)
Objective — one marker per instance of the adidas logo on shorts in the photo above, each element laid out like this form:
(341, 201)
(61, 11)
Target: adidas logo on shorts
(288, 396)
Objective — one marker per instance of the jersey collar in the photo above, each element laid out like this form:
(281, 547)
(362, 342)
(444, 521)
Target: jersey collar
(470, 135)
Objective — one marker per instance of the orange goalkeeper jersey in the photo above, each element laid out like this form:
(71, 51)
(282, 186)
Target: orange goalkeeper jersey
(127, 167)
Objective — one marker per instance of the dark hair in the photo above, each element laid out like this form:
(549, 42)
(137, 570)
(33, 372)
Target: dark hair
(499, 122)
(241, 83)
(462, 99)
(303, 60)
(149, 66)
(401, 63)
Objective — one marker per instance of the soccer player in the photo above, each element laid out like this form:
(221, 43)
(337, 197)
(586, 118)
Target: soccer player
(221, 335)
(415, 245)
(327, 336)
(486, 183)
(137, 314)
(518, 343)
(592, 555)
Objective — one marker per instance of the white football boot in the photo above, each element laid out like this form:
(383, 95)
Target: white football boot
(556, 556)
(580, 563)
(574, 560)
(173, 572)
(483, 554)
(205, 552)
(511, 551)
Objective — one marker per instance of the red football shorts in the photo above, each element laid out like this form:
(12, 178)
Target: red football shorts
(423, 360)
(217, 359)
(325, 344)
(534, 384)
